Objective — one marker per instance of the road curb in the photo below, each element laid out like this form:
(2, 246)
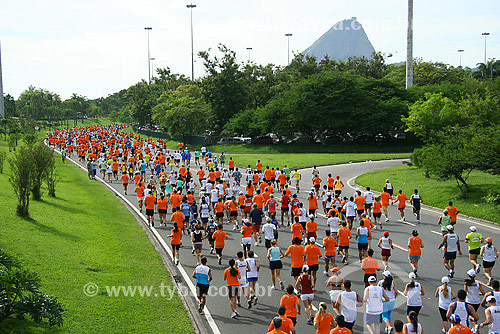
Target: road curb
(432, 208)
(176, 279)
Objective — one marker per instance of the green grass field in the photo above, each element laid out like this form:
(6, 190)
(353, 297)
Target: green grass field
(87, 235)
(438, 193)
(308, 160)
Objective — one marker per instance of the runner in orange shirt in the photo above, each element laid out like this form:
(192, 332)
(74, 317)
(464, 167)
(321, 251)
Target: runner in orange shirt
(219, 237)
(330, 181)
(377, 211)
(125, 182)
(176, 235)
(452, 212)
(329, 244)
(313, 253)
(139, 190)
(344, 234)
(201, 175)
(401, 199)
(286, 324)
(313, 203)
(282, 181)
(259, 200)
(150, 202)
(415, 246)
(370, 267)
(178, 217)
(219, 211)
(297, 229)
(296, 251)
(232, 277)
(162, 203)
(311, 228)
(360, 204)
(323, 321)
(259, 166)
(291, 303)
(317, 184)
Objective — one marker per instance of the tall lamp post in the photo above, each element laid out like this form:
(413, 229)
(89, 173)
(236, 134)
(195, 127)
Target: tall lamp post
(152, 66)
(148, 29)
(485, 34)
(249, 51)
(191, 6)
(288, 50)
(409, 47)
(460, 55)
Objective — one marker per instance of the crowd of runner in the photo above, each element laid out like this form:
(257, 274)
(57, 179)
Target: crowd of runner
(201, 197)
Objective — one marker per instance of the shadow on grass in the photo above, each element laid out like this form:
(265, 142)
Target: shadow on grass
(25, 326)
(67, 208)
(49, 229)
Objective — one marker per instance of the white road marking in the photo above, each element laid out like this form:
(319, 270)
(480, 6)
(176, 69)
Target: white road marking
(408, 223)
(190, 284)
(437, 232)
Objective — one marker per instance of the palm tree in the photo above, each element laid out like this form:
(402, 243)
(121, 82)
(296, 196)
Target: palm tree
(489, 70)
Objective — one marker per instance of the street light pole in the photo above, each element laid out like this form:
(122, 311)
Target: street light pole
(149, 58)
(409, 47)
(288, 51)
(249, 51)
(460, 54)
(485, 34)
(152, 66)
(191, 6)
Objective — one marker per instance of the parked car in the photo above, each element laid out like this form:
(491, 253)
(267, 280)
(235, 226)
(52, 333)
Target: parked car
(243, 140)
(263, 140)
(228, 141)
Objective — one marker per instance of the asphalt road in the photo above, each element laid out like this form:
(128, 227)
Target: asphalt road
(431, 269)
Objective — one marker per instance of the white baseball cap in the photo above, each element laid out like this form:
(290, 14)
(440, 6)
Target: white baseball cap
(445, 279)
(312, 239)
(491, 299)
(473, 228)
(449, 227)
(372, 279)
(386, 273)
(412, 276)
(471, 273)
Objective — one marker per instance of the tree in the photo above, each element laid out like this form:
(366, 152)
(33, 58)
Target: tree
(21, 178)
(223, 86)
(490, 70)
(20, 294)
(183, 111)
(43, 166)
(450, 158)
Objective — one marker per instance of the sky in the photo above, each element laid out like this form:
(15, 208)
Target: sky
(98, 47)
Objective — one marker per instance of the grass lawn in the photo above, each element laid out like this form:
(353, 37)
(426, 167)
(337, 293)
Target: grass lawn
(438, 193)
(308, 160)
(87, 235)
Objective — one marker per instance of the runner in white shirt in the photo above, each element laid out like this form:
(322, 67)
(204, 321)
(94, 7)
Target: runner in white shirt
(269, 230)
(242, 266)
(350, 211)
(373, 297)
(214, 196)
(492, 314)
(252, 275)
(369, 197)
(333, 222)
(347, 301)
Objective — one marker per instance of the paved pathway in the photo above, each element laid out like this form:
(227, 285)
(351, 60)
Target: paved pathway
(431, 270)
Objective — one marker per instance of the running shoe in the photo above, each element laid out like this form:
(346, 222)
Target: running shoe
(282, 286)
(490, 281)
(478, 268)
(255, 300)
(192, 251)
(310, 322)
(238, 304)
(233, 316)
(220, 261)
(386, 220)
(249, 304)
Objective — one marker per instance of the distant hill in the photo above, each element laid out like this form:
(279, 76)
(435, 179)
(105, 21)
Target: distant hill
(345, 39)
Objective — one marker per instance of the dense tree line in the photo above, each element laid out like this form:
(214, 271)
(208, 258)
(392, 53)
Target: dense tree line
(358, 97)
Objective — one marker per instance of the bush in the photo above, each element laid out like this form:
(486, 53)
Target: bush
(3, 155)
(493, 197)
(20, 295)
